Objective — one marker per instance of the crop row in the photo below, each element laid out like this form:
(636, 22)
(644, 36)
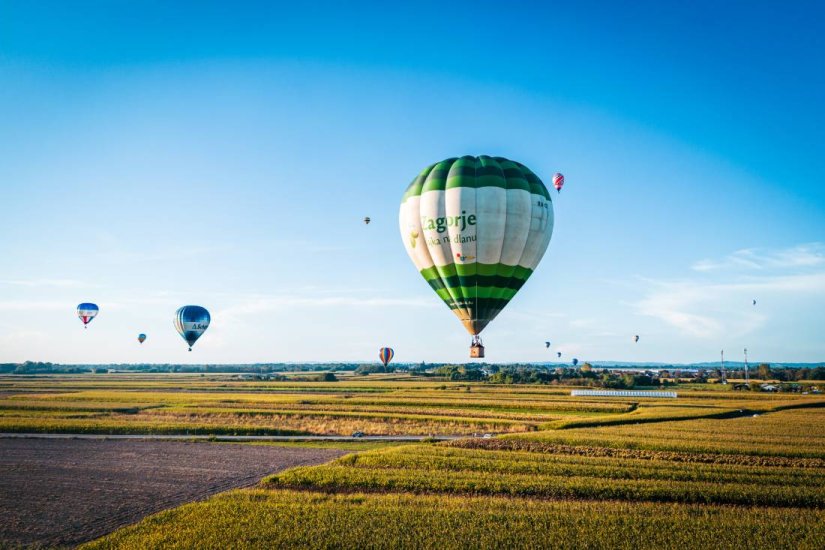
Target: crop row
(785, 433)
(257, 399)
(507, 444)
(289, 519)
(461, 460)
(338, 477)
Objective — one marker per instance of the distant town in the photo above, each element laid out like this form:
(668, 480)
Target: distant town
(759, 377)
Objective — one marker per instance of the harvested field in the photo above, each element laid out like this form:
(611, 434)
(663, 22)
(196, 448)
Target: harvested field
(64, 492)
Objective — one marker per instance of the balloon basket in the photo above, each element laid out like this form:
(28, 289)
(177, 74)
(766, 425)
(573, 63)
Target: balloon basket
(476, 351)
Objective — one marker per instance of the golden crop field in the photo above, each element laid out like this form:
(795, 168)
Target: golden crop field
(710, 468)
(226, 405)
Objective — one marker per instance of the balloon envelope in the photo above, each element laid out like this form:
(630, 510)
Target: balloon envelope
(547, 344)
(367, 220)
(558, 354)
(191, 322)
(141, 338)
(386, 355)
(558, 181)
(575, 362)
(87, 311)
(476, 228)
(636, 338)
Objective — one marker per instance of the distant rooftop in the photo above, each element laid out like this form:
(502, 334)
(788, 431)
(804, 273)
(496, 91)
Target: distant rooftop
(622, 393)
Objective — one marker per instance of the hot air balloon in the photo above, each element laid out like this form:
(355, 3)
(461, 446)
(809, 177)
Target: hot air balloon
(386, 355)
(754, 302)
(558, 181)
(367, 220)
(191, 322)
(476, 228)
(575, 361)
(87, 311)
(636, 338)
(547, 344)
(141, 337)
(558, 354)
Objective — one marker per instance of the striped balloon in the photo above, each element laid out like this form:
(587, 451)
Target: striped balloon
(558, 181)
(86, 312)
(476, 228)
(386, 355)
(191, 322)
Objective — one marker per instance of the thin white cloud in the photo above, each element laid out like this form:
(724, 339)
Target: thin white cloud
(705, 310)
(254, 305)
(47, 305)
(800, 256)
(31, 305)
(38, 283)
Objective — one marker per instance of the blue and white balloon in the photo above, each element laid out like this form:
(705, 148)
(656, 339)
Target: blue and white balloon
(191, 322)
(86, 312)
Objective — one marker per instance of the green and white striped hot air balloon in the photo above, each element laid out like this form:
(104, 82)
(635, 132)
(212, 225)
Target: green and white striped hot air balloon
(476, 228)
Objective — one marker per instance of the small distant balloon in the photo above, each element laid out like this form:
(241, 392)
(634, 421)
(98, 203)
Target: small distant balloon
(141, 337)
(86, 312)
(636, 338)
(558, 181)
(386, 355)
(575, 361)
(367, 220)
(547, 344)
(754, 302)
(191, 322)
(558, 354)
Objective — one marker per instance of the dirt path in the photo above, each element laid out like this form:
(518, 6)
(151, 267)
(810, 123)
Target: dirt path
(64, 492)
(184, 437)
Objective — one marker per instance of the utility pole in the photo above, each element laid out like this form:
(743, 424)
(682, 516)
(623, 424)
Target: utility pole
(747, 370)
(722, 369)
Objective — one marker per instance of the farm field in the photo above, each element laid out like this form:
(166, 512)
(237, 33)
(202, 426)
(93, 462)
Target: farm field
(60, 493)
(711, 468)
(374, 405)
(695, 483)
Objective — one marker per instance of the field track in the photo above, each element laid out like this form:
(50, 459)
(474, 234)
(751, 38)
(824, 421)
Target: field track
(67, 491)
(152, 437)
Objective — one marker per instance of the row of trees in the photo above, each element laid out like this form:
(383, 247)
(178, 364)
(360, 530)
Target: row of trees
(529, 374)
(33, 367)
(499, 374)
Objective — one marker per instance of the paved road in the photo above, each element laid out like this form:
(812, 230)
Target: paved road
(230, 437)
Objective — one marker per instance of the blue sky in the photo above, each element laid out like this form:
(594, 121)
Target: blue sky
(156, 154)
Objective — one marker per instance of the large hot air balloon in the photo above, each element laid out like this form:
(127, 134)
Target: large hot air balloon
(575, 361)
(558, 181)
(386, 355)
(86, 312)
(547, 344)
(636, 338)
(192, 322)
(141, 337)
(476, 228)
